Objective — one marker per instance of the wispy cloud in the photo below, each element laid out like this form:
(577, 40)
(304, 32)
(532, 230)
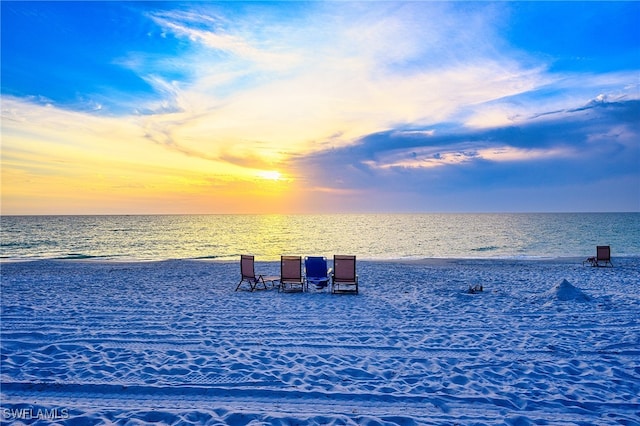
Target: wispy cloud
(215, 32)
(342, 97)
(321, 74)
(426, 158)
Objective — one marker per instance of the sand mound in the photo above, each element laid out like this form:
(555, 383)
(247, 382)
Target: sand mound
(564, 290)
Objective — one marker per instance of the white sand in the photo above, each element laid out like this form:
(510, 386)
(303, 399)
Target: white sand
(546, 342)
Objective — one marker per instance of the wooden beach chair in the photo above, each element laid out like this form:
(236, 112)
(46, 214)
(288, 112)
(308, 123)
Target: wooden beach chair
(247, 270)
(316, 272)
(291, 274)
(344, 278)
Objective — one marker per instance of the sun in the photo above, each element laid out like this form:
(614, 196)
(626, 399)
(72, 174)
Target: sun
(270, 175)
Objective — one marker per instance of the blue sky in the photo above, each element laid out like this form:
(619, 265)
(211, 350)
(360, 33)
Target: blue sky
(281, 107)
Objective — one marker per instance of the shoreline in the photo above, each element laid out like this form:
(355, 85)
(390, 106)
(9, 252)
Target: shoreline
(418, 260)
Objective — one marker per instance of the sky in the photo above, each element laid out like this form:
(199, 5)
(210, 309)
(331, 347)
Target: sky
(319, 107)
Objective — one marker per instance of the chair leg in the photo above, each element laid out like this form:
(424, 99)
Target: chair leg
(240, 283)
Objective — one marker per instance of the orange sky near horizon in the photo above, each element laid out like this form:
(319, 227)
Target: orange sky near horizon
(62, 162)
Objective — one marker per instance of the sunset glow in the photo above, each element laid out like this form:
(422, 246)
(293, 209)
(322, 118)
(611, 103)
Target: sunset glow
(270, 175)
(147, 107)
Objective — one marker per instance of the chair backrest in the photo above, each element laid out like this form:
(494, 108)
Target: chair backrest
(603, 252)
(246, 266)
(315, 266)
(344, 268)
(291, 268)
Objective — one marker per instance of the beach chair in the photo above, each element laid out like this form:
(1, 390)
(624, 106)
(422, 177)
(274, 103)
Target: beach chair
(602, 257)
(291, 274)
(247, 270)
(316, 272)
(344, 278)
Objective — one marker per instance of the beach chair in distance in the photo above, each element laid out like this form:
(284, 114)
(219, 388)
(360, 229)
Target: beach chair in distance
(291, 274)
(316, 272)
(602, 257)
(247, 270)
(344, 278)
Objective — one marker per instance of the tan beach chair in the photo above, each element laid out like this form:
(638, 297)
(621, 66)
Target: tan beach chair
(291, 274)
(247, 270)
(602, 257)
(344, 278)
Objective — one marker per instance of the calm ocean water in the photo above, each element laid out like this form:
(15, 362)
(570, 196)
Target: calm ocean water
(370, 236)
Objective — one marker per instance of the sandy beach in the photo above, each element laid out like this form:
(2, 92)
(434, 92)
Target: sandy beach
(170, 342)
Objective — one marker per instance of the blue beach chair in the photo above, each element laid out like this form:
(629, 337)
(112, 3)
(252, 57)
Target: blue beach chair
(316, 272)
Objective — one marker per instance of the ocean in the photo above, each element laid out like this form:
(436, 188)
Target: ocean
(369, 236)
